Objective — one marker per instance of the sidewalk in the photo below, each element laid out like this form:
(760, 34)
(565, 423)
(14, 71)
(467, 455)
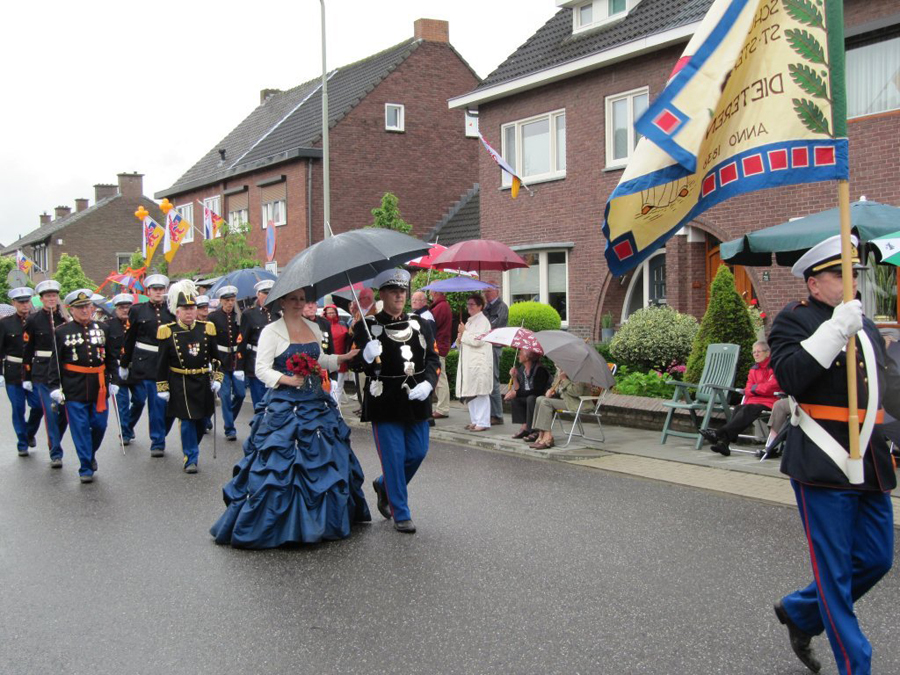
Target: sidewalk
(635, 452)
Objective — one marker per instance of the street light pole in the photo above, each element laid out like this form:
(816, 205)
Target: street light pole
(326, 181)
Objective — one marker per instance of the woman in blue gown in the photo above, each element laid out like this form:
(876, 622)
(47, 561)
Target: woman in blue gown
(299, 481)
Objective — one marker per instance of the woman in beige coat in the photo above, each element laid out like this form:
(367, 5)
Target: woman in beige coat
(475, 373)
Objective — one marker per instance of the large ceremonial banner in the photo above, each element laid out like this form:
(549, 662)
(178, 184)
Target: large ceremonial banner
(756, 101)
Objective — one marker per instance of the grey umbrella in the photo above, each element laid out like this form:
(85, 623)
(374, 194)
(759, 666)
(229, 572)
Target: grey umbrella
(579, 360)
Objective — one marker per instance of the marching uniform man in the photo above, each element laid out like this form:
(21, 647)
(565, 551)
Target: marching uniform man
(402, 368)
(228, 339)
(202, 307)
(186, 380)
(140, 362)
(80, 372)
(12, 350)
(118, 326)
(253, 320)
(39, 346)
(845, 506)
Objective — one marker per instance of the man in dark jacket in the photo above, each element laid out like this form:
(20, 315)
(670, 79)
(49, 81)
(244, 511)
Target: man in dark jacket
(443, 337)
(402, 369)
(140, 361)
(497, 313)
(118, 326)
(253, 320)
(228, 339)
(844, 504)
(79, 376)
(39, 346)
(12, 351)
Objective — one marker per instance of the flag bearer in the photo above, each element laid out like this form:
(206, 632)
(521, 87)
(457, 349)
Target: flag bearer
(12, 349)
(118, 326)
(253, 320)
(140, 361)
(39, 346)
(187, 381)
(80, 372)
(228, 339)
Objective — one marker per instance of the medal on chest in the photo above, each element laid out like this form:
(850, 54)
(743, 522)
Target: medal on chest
(193, 348)
(74, 341)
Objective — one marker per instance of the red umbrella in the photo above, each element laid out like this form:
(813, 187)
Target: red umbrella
(479, 254)
(425, 261)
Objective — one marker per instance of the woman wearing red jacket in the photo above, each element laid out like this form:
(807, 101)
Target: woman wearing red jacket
(759, 395)
(340, 344)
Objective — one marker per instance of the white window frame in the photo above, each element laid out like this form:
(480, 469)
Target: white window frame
(642, 271)
(555, 172)
(401, 116)
(214, 204)
(122, 256)
(265, 213)
(543, 280)
(186, 211)
(612, 163)
(853, 82)
(600, 15)
(235, 218)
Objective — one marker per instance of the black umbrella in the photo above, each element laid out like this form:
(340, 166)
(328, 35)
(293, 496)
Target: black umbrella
(345, 259)
(244, 280)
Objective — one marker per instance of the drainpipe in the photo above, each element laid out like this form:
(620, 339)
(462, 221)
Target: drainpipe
(309, 170)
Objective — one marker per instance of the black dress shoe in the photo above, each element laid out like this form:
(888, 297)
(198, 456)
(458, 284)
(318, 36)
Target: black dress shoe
(721, 448)
(384, 506)
(710, 435)
(496, 420)
(800, 641)
(31, 442)
(405, 526)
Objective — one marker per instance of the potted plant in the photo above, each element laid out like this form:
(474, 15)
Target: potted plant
(607, 327)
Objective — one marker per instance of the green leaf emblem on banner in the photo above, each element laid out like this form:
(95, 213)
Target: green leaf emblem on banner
(805, 12)
(811, 116)
(809, 80)
(806, 45)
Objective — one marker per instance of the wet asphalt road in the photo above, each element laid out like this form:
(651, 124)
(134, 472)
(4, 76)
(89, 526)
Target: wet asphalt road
(519, 566)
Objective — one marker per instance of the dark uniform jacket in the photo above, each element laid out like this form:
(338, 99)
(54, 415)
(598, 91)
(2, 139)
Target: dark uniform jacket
(228, 339)
(327, 339)
(406, 340)
(39, 344)
(141, 352)
(253, 320)
(185, 357)
(12, 347)
(80, 346)
(800, 375)
(115, 341)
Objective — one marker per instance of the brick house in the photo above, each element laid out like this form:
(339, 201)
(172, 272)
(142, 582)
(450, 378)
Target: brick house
(390, 131)
(103, 235)
(561, 110)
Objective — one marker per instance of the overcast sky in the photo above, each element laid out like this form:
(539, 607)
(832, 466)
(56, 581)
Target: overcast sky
(97, 88)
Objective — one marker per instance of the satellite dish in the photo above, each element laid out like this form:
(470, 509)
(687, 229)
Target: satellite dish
(16, 279)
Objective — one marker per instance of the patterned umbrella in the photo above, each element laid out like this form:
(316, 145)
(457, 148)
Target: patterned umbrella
(6, 310)
(511, 336)
(888, 247)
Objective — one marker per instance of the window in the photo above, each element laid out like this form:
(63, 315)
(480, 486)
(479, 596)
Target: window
(123, 260)
(596, 13)
(214, 204)
(273, 212)
(622, 111)
(187, 214)
(873, 78)
(237, 218)
(41, 258)
(393, 117)
(536, 147)
(648, 285)
(545, 280)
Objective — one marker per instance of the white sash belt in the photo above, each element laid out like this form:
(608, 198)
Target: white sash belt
(145, 346)
(223, 348)
(41, 354)
(14, 359)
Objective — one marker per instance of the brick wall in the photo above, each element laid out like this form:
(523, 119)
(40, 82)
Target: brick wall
(572, 209)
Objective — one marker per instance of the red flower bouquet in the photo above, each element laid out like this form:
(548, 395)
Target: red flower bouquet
(303, 365)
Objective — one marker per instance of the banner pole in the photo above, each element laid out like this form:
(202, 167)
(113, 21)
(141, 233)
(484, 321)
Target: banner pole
(847, 276)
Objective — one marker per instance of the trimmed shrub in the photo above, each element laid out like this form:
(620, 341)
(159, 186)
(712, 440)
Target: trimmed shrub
(726, 321)
(451, 361)
(534, 316)
(653, 338)
(652, 384)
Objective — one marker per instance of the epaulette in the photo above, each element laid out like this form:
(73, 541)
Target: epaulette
(210, 328)
(799, 303)
(164, 332)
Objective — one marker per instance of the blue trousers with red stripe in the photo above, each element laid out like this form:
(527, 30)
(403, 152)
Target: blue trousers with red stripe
(851, 546)
(87, 427)
(17, 399)
(401, 448)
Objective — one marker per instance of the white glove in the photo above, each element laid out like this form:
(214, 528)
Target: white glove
(215, 386)
(57, 395)
(239, 375)
(113, 389)
(123, 373)
(2, 380)
(27, 385)
(372, 350)
(164, 395)
(421, 391)
(831, 337)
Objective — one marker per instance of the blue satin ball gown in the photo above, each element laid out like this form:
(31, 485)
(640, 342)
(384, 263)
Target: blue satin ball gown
(299, 481)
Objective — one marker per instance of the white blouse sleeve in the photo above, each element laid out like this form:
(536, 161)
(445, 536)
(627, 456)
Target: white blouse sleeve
(267, 348)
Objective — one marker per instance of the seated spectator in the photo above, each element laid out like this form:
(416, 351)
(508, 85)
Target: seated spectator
(529, 379)
(759, 395)
(562, 392)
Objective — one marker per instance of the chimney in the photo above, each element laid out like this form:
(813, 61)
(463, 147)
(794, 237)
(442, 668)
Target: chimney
(80, 204)
(45, 219)
(62, 212)
(103, 190)
(432, 30)
(266, 94)
(131, 185)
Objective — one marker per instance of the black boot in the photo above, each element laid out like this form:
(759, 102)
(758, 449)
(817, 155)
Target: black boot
(800, 641)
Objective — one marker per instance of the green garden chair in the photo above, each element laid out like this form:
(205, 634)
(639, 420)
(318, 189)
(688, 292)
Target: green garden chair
(710, 394)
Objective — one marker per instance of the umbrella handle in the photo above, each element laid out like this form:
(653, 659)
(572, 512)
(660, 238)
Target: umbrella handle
(361, 317)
